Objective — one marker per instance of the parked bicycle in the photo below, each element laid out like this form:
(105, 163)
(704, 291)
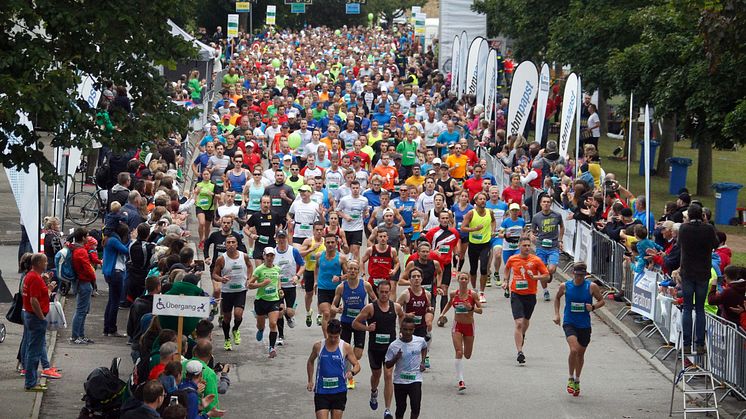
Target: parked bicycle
(85, 207)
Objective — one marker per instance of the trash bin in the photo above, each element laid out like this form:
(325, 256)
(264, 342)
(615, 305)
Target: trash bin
(726, 198)
(678, 166)
(653, 149)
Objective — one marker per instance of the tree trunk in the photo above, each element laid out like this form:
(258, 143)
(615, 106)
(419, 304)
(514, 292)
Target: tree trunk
(667, 138)
(704, 167)
(603, 111)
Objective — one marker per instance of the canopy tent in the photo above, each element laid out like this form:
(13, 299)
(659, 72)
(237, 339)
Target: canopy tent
(206, 52)
(204, 61)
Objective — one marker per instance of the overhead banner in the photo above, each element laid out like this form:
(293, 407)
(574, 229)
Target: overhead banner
(271, 14)
(471, 66)
(25, 187)
(541, 101)
(243, 6)
(644, 292)
(491, 85)
(455, 54)
(484, 53)
(522, 94)
(457, 16)
(569, 104)
(462, 59)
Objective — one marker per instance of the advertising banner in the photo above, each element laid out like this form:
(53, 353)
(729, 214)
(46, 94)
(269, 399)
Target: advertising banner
(541, 101)
(569, 104)
(644, 292)
(523, 91)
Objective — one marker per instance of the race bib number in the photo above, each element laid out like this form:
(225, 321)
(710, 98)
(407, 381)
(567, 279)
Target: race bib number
(285, 280)
(577, 307)
(521, 285)
(352, 312)
(410, 154)
(255, 201)
(378, 281)
(408, 375)
(428, 287)
(276, 202)
(270, 289)
(235, 286)
(461, 308)
(263, 239)
(305, 227)
(443, 249)
(382, 338)
(417, 319)
(330, 382)
(333, 186)
(478, 236)
(219, 182)
(204, 202)
(355, 216)
(546, 243)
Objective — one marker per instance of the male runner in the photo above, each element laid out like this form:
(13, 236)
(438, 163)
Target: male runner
(290, 262)
(418, 307)
(232, 269)
(579, 294)
(351, 294)
(525, 270)
(261, 229)
(405, 205)
(511, 230)
(406, 356)
(311, 249)
(383, 261)
(548, 230)
(352, 210)
(498, 208)
(330, 268)
(395, 233)
(327, 382)
(480, 224)
(381, 316)
(444, 239)
(432, 274)
(217, 238)
(266, 282)
(302, 214)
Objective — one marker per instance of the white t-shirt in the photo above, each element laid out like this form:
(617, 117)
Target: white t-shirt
(594, 120)
(355, 208)
(407, 368)
(304, 215)
(432, 131)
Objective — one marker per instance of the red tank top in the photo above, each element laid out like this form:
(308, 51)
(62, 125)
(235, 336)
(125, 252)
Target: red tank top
(380, 264)
(459, 302)
(417, 305)
(338, 234)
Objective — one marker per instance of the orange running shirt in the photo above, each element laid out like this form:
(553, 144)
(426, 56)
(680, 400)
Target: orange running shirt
(521, 283)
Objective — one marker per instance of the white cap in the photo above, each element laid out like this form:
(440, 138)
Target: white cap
(437, 160)
(194, 367)
(269, 251)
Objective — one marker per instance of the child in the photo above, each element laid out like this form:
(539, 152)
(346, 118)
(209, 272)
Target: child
(646, 248)
(113, 218)
(730, 299)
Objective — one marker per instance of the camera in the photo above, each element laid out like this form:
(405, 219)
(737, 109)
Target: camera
(612, 185)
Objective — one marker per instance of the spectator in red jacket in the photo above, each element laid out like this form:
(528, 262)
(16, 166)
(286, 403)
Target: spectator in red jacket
(35, 309)
(730, 300)
(723, 251)
(86, 276)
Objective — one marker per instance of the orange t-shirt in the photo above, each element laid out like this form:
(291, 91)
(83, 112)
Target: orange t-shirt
(462, 161)
(388, 174)
(521, 283)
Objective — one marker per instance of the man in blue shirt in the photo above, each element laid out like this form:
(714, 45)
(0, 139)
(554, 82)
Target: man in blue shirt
(449, 136)
(405, 205)
(381, 115)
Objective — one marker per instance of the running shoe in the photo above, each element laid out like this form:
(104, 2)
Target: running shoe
(521, 358)
(461, 386)
(576, 393)
(488, 284)
(308, 318)
(259, 335)
(427, 362)
(546, 295)
(570, 386)
(280, 341)
(482, 298)
(290, 322)
(201, 244)
(272, 352)
(387, 414)
(351, 384)
(373, 402)
(51, 373)
(496, 278)
(318, 320)
(227, 345)
(237, 337)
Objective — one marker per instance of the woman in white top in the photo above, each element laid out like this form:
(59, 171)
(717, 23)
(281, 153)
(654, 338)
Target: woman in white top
(594, 126)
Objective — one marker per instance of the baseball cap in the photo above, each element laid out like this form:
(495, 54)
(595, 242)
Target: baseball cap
(305, 188)
(194, 367)
(356, 158)
(437, 160)
(668, 224)
(281, 233)
(287, 157)
(580, 268)
(269, 251)
(285, 125)
(430, 172)
(514, 206)
(388, 211)
(250, 144)
(685, 198)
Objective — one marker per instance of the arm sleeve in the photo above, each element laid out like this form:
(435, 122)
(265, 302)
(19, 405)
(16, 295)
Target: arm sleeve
(298, 259)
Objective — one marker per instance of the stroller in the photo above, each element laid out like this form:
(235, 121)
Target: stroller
(104, 392)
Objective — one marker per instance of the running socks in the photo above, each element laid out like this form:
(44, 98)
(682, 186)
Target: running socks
(443, 301)
(281, 327)
(272, 339)
(460, 369)
(237, 322)
(226, 330)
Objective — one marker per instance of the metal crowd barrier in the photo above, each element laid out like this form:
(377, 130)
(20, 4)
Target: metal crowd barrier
(725, 349)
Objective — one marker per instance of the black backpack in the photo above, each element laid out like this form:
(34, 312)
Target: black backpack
(103, 391)
(103, 175)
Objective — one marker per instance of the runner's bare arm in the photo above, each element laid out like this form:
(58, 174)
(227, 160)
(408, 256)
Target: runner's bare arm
(369, 290)
(352, 359)
(365, 314)
(449, 304)
(404, 277)
(557, 298)
(310, 365)
(596, 292)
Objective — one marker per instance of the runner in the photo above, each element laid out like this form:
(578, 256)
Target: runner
(233, 270)
(431, 217)
(330, 268)
(266, 282)
(525, 270)
(579, 294)
(446, 184)
(405, 205)
(480, 224)
(406, 356)
(462, 333)
(311, 250)
(417, 304)
(381, 316)
(395, 233)
(383, 261)
(460, 209)
(511, 230)
(302, 214)
(290, 262)
(282, 196)
(444, 239)
(261, 229)
(327, 383)
(351, 294)
(217, 239)
(548, 230)
(353, 209)
(498, 209)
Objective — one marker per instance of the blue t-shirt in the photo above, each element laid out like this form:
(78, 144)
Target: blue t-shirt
(513, 231)
(406, 210)
(201, 161)
(446, 138)
(210, 138)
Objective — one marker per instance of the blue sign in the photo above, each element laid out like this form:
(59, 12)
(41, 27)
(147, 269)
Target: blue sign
(352, 8)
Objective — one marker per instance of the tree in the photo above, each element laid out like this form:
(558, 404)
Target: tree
(49, 44)
(391, 9)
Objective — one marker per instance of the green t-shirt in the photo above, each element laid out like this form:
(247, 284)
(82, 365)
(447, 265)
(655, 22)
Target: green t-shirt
(318, 114)
(195, 88)
(408, 152)
(271, 110)
(205, 201)
(228, 79)
(270, 292)
(211, 382)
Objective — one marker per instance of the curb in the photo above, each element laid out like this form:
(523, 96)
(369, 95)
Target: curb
(50, 354)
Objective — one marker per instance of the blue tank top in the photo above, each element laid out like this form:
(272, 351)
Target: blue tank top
(255, 197)
(237, 182)
(459, 215)
(330, 371)
(353, 300)
(327, 269)
(406, 208)
(576, 297)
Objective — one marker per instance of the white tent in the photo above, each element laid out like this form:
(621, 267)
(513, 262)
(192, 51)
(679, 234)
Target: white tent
(206, 52)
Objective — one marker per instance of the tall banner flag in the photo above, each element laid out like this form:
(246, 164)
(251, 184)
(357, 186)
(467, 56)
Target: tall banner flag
(462, 64)
(25, 187)
(579, 94)
(484, 52)
(646, 156)
(569, 103)
(541, 101)
(455, 54)
(471, 66)
(491, 85)
(629, 142)
(522, 94)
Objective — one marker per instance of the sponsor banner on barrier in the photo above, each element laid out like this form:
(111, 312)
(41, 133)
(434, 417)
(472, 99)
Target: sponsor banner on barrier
(674, 327)
(569, 236)
(541, 101)
(584, 245)
(644, 291)
(523, 91)
(569, 103)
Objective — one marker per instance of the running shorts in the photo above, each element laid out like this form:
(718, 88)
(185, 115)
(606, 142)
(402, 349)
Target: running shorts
(288, 297)
(550, 256)
(231, 300)
(335, 401)
(582, 333)
(376, 358)
(522, 305)
(263, 308)
(354, 237)
(308, 280)
(348, 334)
(508, 253)
(479, 255)
(209, 214)
(326, 296)
(466, 329)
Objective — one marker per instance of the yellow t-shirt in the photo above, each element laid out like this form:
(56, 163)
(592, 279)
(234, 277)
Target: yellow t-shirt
(457, 172)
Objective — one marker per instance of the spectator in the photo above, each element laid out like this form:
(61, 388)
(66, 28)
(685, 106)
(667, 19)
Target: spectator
(730, 300)
(723, 251)
(86, 276)
(168, 352)
(114, 269)
(203, 354)
(682, 205)
(140, 257)
(195, 405)
(35, 308)
(120, 192)
(153, 395)
(142, 306)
